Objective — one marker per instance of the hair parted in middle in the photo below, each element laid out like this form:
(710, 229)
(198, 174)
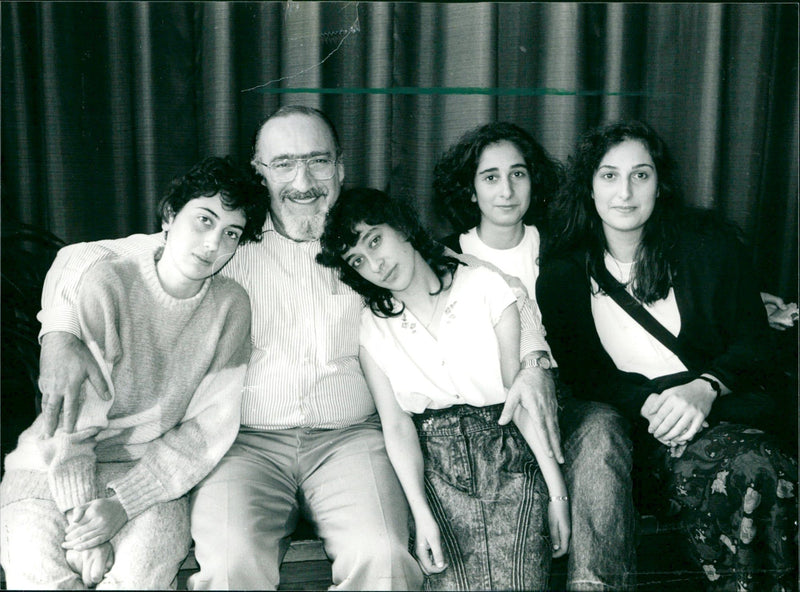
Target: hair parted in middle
(374, 207)
(454, 174)
(580, 228)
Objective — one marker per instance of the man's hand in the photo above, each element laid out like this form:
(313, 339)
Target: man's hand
(92, 564)
(94, 523)
(65, 363)
(535, 390)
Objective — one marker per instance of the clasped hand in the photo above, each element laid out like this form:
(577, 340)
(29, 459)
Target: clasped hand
(94, 523)
(92, 564)
(678, 413)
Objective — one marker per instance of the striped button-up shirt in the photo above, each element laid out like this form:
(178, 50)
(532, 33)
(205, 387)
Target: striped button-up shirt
(304, 369)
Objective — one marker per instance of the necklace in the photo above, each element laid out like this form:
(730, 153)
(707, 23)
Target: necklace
(623, 271)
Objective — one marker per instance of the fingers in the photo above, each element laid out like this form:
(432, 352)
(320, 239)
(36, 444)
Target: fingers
(98, 568)
(651, 405)
(77, 516)
(430, 560)
(667, 423)
(73, 560)
(561, 543)
(70, 413)
(438, 558)
(559, 535)
(554, 439)
(80, 531)
(51, 408)
(512, 400)
(680, 428)
(87, 571)
(97, 381)
(772, 299)
(84, 542)
(697, 424)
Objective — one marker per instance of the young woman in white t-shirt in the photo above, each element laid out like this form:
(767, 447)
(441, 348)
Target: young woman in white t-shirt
(493, 186)
(439, 348)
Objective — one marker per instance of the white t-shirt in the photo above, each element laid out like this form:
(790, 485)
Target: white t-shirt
(519, 261)
(462, 366)
(631, 347)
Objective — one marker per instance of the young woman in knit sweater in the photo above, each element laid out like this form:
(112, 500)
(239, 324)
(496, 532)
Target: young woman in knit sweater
(106, 505)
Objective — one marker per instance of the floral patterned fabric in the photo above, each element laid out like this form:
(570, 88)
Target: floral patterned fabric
(738, 496)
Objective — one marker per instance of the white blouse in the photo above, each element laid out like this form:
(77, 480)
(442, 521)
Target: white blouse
(631, 347)
(462, 366)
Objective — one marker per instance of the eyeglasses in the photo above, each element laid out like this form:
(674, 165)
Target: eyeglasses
(285, 170)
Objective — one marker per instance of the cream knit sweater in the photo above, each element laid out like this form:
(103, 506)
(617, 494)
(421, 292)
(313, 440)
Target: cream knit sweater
(175, 368)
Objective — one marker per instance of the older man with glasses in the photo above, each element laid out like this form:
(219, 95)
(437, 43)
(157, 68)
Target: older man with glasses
(310, 441)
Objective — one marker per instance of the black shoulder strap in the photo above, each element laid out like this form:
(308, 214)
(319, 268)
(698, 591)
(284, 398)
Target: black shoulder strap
(639, 314)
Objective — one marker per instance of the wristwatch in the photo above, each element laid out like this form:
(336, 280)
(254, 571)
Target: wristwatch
(714, 385)
(541, 361)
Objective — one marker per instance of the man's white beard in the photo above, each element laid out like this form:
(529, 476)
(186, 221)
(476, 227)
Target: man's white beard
(303, 228)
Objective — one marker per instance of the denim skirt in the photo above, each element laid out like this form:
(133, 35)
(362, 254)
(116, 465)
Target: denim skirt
(489, 499)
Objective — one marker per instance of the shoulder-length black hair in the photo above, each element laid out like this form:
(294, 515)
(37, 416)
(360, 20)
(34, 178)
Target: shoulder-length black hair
(373, 207)
(454, 174)
(577, 225)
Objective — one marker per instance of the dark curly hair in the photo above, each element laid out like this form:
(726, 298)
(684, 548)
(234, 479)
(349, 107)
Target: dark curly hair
(573, 212)
(237, 188)
(454, 174)
(373, 207)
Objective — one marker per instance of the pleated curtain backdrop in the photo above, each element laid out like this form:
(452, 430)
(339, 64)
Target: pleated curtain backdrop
(102, 103)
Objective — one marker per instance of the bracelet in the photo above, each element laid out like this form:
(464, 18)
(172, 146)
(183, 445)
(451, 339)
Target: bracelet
(559, 498)
(714, 385)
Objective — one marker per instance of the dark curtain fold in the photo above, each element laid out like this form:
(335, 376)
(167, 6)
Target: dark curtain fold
(102, 103)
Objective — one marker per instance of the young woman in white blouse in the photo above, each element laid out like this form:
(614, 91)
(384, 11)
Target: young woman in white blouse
(439, 348)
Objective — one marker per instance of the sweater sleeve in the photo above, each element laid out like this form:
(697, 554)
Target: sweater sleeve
(71, 456)
(175, 462)
(63, 280)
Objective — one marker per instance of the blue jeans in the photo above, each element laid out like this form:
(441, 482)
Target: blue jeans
(489, 499)
(597, 469)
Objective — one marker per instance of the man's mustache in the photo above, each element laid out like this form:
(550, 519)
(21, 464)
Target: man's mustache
(313, 193)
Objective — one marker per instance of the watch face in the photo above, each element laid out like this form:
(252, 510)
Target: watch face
(543, 362)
